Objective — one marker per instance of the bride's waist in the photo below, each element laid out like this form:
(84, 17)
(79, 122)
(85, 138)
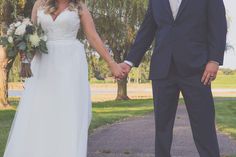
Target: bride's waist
(63, 41)
(64, 44)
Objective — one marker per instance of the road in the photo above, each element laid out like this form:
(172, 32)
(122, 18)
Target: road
(132, 91)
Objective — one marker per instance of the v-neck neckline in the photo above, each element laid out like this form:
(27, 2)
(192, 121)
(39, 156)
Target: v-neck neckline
(56, 17)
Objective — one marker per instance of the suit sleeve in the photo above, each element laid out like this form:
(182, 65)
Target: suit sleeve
(143, 39)
(217, 30)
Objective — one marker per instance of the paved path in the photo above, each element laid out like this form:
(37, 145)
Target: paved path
(104, 91)
(135, 138)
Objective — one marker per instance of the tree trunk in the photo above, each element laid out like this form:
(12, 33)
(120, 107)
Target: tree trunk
(121, 84)
(3, 79)
(122, 90)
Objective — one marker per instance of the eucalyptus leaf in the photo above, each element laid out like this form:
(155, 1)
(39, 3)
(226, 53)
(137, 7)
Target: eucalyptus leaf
(4, 41)
(21, 46)
(18, 38)
(43, 50)
(11, 52)
(43, 47)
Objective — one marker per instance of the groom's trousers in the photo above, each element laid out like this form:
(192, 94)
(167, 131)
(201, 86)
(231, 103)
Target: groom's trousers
(200, 106)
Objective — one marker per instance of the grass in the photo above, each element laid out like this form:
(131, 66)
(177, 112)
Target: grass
(113, 111)
(225, 81)
(110, 112)
(226, 117)
(6, 117)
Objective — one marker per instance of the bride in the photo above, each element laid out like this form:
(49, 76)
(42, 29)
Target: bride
(54, 112)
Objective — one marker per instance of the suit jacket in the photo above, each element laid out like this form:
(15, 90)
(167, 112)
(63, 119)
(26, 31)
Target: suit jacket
(196, 36)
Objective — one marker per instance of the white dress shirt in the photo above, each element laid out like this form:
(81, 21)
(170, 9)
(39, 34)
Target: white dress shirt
(174, 5)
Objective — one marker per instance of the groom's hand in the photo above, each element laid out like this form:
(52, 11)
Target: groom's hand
(210, 72)
(126, 68)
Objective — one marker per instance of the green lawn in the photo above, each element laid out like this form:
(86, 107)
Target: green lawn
(112, 111)
(6, 117)
(225, 81)
(226, 117)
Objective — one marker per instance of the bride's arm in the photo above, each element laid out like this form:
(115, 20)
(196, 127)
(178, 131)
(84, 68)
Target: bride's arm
(37, 4)
(96, 42)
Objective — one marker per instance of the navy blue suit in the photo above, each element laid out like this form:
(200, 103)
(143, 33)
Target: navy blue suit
(183, 46)
(198, 34)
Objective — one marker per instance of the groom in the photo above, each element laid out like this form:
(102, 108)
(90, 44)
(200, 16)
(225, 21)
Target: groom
(190, 40)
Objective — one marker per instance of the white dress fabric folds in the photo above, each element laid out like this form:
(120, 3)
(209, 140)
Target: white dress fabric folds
(54, 112)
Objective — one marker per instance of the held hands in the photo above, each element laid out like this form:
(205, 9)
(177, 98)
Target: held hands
(116, 70)
(119, 71)
(210, 72)
(126, 68)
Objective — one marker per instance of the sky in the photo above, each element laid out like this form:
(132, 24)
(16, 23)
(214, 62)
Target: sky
(230, 57)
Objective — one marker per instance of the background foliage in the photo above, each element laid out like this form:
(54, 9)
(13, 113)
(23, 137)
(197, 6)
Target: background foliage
(117, 22)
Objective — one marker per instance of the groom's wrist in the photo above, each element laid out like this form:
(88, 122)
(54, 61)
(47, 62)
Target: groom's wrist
(129, 63)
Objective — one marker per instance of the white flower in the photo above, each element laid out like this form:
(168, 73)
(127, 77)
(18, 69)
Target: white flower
(12, 26)
(17, 24)
(9, 32)
(20, 30)
(34, 39)
(44, 38)
(27, 21)
(11, 29)
(10, 39)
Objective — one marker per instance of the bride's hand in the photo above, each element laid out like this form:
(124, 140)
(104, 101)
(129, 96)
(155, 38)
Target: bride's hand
(22, 56)
(116, 70)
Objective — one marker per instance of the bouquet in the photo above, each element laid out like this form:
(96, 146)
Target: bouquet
(26, 39)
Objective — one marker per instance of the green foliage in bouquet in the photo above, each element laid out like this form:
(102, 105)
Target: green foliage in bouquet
(10, 47)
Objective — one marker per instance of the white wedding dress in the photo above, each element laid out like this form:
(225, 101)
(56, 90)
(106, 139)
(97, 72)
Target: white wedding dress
(54, 112)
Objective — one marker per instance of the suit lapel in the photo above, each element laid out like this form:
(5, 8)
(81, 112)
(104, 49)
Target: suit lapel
(181, 8)
(168, 8)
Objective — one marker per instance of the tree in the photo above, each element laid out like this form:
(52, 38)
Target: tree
(6, 10)
(9, 9)
(3, 79)
(227, 71)
(117, 21)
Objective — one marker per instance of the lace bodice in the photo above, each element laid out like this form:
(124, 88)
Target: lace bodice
(64, 27)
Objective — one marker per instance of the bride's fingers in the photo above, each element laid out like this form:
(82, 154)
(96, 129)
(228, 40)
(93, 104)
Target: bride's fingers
(124, 70)
(123, 74)
(120, 75)
(120, 72)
